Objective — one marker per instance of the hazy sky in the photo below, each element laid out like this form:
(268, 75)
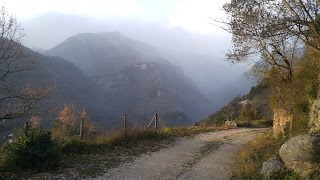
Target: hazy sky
(190, 15)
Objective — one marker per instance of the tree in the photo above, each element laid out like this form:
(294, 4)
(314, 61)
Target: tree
(17, 98)
(88, 128)
(246, 113)
(67, 124)
(275, 30)
(255, 30)
(301, 19)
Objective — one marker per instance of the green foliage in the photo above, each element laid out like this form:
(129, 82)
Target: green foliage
(167, 130)
(251, 117)
(295, 96)
(302, 106)
(256, 90)
(249, 113)
(76, 146)
(37, 150)
(309, 74)
(315, 175)
(284, 175)
(229, 112)
(246, 112)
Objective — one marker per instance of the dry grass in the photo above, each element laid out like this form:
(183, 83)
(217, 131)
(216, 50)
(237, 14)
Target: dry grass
(193, 130)
(89, 158)
(249, 160)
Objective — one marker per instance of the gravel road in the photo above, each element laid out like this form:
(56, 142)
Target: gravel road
(206, 156)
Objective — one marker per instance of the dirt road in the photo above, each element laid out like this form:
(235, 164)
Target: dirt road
(207, 156)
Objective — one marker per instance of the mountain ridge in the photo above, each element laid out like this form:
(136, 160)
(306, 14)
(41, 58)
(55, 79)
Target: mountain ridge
(125, 75)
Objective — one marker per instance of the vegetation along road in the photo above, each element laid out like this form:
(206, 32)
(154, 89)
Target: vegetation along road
(207, 156)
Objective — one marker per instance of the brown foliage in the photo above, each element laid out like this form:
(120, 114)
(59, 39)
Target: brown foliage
(68, 115)
(88, 126)
(67, 124)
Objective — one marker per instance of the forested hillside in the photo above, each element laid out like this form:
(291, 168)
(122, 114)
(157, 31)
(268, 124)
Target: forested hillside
(251, 110)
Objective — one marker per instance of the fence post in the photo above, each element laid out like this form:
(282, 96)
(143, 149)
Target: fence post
(81, 129)
(151, 121)
(125, 124)
(155, 122)
(290, 135)
(26, 129)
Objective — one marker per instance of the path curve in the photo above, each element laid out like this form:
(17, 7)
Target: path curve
(206, 156)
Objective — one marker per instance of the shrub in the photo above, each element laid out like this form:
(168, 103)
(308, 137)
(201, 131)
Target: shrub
(167, 130)
(75, 146)
(37, 150)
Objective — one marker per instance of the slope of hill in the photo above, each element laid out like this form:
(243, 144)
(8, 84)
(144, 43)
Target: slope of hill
(133, 79)
(207, 71)
(252, 109)
(100, 54)
(72, 85)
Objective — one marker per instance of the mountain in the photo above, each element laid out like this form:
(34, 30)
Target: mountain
(99, 55)
(72, 86)
(132, 76)
(200, 57)
(219, 80)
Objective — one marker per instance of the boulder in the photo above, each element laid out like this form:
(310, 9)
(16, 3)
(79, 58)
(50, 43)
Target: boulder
(230, 124)
(301, 154)
(272, 166)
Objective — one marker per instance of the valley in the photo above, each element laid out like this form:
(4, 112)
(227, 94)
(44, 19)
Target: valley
(160, 89)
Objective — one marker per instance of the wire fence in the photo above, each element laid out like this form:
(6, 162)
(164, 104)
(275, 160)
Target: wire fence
(84, 130)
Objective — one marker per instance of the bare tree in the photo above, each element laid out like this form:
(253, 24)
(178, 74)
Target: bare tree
(256, 31)
(273, 29)
(301, 19)
(18, 99)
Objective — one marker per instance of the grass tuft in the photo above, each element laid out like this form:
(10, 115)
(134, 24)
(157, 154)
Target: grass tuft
(249, 160)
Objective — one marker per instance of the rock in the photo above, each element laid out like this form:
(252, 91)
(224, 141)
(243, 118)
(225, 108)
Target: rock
(314, 121)
(272, 166)
(301, 154)
(281, 121)
(230, 124)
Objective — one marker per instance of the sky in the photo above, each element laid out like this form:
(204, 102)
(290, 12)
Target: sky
(190, 15)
